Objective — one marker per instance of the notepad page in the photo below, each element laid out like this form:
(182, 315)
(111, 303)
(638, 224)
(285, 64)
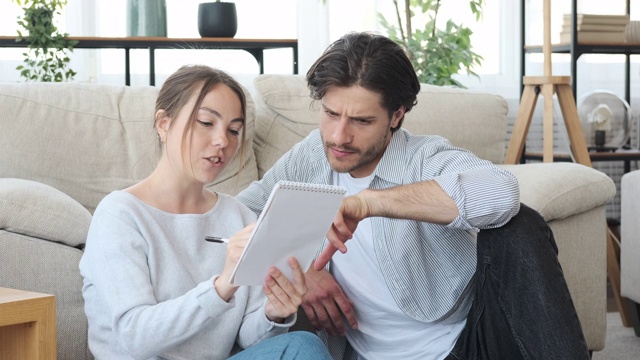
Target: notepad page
(294, 222)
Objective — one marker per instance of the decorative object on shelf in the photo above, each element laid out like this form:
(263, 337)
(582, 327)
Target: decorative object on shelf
(147, 18)
(217, 19)
(48, 55)
(606, 120)
(632, 31)
(437, 51)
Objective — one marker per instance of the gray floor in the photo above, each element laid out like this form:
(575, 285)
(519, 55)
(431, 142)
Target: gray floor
(621, 342)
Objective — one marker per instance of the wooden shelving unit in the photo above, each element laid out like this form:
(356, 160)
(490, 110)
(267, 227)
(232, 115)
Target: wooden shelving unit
(577, 49)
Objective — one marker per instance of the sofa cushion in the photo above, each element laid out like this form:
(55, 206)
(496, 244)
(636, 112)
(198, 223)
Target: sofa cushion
(88, 140)
(560, 190)
(41, 211)
(286, 114)
(43, 266)
(479, 123)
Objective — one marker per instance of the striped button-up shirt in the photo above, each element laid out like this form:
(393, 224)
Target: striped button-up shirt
(428, 267)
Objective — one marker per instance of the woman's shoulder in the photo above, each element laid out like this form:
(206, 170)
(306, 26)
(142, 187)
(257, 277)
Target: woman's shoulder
(118, 198)
(231, 204)
(119, 202)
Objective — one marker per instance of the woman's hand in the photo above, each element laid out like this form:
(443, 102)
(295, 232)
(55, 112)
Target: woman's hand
(284, 297)
(234, 250)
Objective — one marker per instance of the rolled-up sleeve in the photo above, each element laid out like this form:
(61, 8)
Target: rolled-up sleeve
(486, 197)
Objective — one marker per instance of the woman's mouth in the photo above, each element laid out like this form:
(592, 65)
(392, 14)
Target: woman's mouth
(215, 159)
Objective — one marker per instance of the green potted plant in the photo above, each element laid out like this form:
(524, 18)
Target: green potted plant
(437, 52)
(47, 58)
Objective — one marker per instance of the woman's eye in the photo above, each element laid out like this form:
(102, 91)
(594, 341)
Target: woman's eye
(234, 132)
(204, 123)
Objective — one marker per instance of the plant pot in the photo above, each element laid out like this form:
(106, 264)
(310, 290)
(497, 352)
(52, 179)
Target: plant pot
(146, 18)
(217, 19)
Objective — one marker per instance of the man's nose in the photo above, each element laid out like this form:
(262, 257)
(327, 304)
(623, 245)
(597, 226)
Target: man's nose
(342, 132)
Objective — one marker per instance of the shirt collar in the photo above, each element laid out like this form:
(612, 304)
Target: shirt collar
(392, 164)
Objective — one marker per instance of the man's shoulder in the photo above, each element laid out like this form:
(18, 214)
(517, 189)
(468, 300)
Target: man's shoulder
(310, 148)
(412, 144)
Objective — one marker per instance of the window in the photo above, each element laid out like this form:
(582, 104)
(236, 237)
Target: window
(108, 19)
(316, 23)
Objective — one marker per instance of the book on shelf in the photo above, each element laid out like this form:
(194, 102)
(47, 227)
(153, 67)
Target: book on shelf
(597, 19)
(594, 36)
(566, 27)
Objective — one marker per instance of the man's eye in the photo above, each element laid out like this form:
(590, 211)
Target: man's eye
(204, 123)
(331, 113)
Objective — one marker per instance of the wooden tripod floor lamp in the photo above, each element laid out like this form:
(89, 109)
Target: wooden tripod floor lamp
(549, 85)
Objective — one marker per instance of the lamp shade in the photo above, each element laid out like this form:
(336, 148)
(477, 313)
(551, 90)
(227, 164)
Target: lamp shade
(606, 120)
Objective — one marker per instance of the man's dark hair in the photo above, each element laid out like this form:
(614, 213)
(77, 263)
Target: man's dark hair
(371, 61)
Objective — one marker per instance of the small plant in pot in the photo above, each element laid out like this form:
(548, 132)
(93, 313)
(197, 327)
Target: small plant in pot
(437, 52)
(47, 58)
(217, 19)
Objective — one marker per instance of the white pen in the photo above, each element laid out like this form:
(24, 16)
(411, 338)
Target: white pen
(216, 239)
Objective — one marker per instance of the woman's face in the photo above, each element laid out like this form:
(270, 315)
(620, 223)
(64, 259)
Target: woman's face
(213, 139)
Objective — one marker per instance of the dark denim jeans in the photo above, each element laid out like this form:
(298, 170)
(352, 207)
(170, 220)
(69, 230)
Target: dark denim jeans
(522, 307)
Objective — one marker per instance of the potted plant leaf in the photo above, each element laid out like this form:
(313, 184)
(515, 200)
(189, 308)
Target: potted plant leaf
(47, 56)
(437, 52)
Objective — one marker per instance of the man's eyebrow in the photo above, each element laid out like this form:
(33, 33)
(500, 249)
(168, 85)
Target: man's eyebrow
(218, 115)
(359, 118)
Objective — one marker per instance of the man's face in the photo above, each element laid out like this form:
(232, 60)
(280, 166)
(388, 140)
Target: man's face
(355, 129)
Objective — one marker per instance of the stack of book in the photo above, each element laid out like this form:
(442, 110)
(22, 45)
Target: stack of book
(595, 28)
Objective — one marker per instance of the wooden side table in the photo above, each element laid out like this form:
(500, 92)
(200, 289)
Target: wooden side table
(27, 325)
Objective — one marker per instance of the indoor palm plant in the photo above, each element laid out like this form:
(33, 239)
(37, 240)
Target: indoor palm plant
(437, 52)
(47, 58)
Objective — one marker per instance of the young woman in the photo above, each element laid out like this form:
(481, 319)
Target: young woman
(153, 288)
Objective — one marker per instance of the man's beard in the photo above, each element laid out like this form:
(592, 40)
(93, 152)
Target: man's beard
(363, 157)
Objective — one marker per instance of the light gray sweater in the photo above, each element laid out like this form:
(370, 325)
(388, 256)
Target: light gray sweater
(148, 283)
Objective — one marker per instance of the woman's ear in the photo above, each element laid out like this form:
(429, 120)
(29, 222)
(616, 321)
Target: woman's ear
(163, 122)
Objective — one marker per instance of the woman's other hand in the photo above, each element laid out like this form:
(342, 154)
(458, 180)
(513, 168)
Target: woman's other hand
(284, 297)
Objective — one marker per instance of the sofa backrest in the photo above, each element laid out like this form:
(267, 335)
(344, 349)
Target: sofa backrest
(286, 113)
(87, 140)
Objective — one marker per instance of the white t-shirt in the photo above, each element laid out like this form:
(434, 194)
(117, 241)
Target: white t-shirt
(384, 331)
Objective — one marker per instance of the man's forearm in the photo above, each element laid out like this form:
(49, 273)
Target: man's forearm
(425, 201)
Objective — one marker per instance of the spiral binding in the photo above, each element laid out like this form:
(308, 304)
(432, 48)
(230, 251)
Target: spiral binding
(323, 188)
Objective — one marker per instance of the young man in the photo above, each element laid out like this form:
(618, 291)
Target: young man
(443, 260)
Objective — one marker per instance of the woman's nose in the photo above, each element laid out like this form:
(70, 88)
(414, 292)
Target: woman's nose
(219, 138)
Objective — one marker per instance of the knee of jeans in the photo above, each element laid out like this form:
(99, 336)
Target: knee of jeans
(305, 339)
(526, 234)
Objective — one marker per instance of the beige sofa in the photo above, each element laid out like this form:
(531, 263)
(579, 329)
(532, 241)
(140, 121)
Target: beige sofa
(630, 244)
(63, 147)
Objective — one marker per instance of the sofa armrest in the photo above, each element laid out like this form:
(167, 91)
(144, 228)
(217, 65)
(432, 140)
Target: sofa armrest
(37, 210)
(560, 190)
(630, 235)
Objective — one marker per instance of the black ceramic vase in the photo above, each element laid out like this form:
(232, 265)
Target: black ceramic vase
(217, 19)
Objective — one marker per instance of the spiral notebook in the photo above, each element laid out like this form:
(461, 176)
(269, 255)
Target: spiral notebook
(294, 222)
